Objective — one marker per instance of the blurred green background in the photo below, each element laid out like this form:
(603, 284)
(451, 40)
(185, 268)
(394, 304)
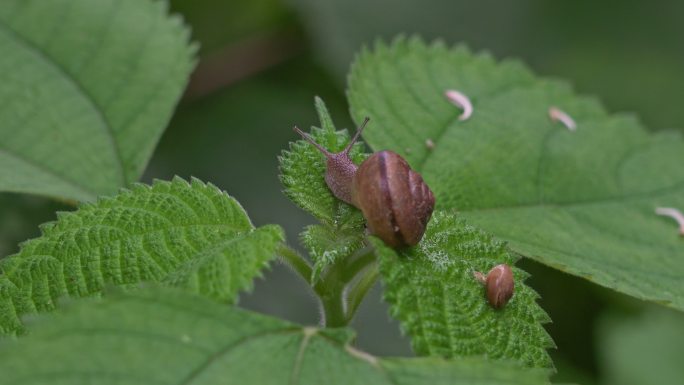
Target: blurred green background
(263, 61)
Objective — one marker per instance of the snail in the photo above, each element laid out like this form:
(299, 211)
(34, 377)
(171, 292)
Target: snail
(499, 283)
(394, 199)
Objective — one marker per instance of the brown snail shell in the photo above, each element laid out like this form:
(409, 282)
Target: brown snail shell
(499, 284)
(394, 199)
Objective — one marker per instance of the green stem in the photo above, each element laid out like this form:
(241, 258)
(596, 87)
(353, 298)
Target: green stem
(292, 258)
(356, 263)
(334, 315)
(338, 304)
(358, 292)
(330, 290)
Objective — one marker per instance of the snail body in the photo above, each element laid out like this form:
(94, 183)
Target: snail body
(395, 200)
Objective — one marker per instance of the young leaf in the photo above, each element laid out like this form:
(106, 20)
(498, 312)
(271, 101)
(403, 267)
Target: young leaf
(580, 201)
(432, 291)
(327, 244)
(302, 174)
(168, 337)
(88, 87)
(302, 170)
(189, 235)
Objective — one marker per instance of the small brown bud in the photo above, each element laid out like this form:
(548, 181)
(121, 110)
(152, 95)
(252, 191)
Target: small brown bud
(499, 284)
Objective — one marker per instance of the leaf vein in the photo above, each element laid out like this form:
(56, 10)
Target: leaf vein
(108, 130)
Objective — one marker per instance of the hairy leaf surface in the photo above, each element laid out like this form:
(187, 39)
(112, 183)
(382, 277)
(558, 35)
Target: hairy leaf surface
(580, 201)
(88, 87)
(302, 173)
(327, 244)
(183, 234)
(168, 337)
(432, 291)
(302, 169)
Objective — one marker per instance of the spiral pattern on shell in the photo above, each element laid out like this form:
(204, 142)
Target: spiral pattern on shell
(394, 199)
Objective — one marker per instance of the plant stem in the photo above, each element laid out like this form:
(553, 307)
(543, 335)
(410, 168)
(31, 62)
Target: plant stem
(292, 258)
(356, 263)
(334, 315)
(330, 290)
(338, 304)
(358, 292)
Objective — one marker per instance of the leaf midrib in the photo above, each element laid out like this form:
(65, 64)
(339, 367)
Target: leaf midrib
(53, 63)
(85, 251)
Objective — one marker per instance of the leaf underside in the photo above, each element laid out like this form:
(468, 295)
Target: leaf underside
(183, 234)
(169, 337)
(433, 293)
(88, 87)
(580, 201)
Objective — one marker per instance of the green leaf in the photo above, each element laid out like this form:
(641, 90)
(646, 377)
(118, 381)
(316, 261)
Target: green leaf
(582, 202)
(188, 235)
(88, 87)
(302, 170)
(327, 244)
(168, 337)
(432, 291)
(302, 174)
(622, 342)
(217, 25)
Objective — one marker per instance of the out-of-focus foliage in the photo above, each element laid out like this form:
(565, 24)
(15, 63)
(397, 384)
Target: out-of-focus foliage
(87, 89)
(20, 216)
(169, 337)
(646, 349)
(220, 24)
(628, 52)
